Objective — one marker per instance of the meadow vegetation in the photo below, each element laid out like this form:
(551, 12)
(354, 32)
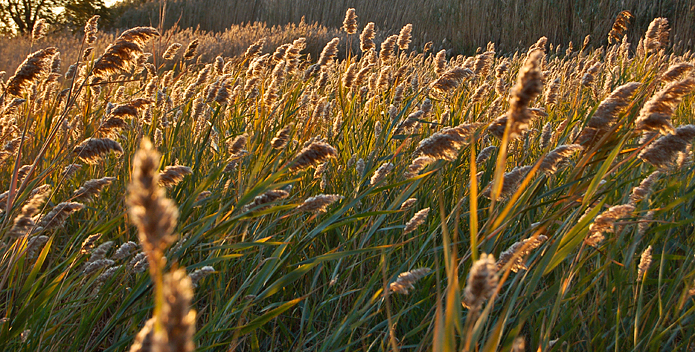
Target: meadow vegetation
(170, 193)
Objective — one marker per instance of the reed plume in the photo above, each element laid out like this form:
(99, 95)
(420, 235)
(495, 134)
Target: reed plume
(89, 243)
(657, 111)
(607, 112)
(403, 41)
(408, 203)
(177, 317)
(33, 67)
(644, 188)
(154, 215)
(388, 49)
(200, 274)
(404, 282)
(190, 51)
(482, 282)
(622, 21)
(24, 222)
(350, 21)
(34, 244)
(99, 252)
(417, 165)
(125, 250)
(91, 189)
(315, 153)
(366, 38)
(605, 222)
(518, 251)
(255, 49)
(440, 63)
(676, 71)
(645, 262)
(92, 150)
(236, 145)
(260, 202)
(319, 203)
(124, 52)
(657, 34)
(328, 52)
(281, 138)
(172, 175)
(485, 154)
(664, 150)
(451, 79)
(417, 220)
(528, 86)
(510, 182)
(446, 143)
(39, 30)
(552, 161)
(171, 51)
(381, 173)
(57, 216)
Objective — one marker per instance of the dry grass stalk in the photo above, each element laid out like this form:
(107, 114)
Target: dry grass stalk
(518, 251)
(404, 282)
(319, 203)
(657, 111)
(417, 220)
(482, 282)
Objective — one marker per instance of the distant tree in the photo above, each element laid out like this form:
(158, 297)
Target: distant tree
(19, 16)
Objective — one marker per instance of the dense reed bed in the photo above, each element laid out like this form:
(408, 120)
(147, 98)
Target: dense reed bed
(399, 199)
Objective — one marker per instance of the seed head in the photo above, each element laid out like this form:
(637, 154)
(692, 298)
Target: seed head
(417, 220)
(482, 282)
(404, 282)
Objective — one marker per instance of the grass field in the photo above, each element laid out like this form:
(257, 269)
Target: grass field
(398, 199)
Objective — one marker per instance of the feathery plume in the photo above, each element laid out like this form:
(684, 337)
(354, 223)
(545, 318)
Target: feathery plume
(557, 156)
(645, 187)
(259, 202)
(254, 49)
(675, 71)
(24, 222)
(189, 53)
(89, 243)
(528, 86)
(518, 251)
(172, 175)
(404, 37)
(381, 173)
(645, 262)
(417, 220)
(388, 52)
(510, 182)
(657, 34)
(664, 150)
(124, 52)
(440, 63)
(656, 112)
(417, 165)
(91, 188)
(200, 274)
(125, 250)
(92, 150)
(482, 282)
(619, 27)
(90, 30)
(92, 267)
(319, 203)
(451, 79)
(57, 216)
(171, 51)
(154, 215)
(143, 340)
(328, 52)
(237, 144)
(605, 221)
(366, 38)
(485, 154)
(100, 252)
(446, 144)
(606, 113)
(551, 92)
(408, 203)
(404, 282)
(33, 67)
(39, 30)
(350, 21)
(546, 135)
(315, 153)
(281, 138)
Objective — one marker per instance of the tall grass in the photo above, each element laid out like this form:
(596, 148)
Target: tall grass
(247, 141)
